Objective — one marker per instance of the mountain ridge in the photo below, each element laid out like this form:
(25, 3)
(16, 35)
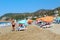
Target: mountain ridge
(37, 13)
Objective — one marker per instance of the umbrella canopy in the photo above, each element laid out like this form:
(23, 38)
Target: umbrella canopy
(30, 21)
(40, 18)
(22, 21)
(58, 18)
(46, 19)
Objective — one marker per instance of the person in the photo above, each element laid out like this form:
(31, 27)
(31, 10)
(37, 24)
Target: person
(13, 25)
(21, 27)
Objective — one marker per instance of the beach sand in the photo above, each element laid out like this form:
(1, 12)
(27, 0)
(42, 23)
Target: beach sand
(55, 28)
(5, 30)
(32, 33)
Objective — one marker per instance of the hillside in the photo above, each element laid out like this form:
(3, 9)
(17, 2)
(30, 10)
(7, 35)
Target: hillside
(38, 13)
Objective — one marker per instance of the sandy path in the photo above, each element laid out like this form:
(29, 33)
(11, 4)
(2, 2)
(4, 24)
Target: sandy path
(32, 33)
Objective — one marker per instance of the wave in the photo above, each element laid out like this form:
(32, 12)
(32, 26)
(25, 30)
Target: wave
(5, 24)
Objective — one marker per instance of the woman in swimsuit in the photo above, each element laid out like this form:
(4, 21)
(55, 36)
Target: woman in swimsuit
(13, 25)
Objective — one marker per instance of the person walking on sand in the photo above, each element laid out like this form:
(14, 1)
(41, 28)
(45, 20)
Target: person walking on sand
(13, 25)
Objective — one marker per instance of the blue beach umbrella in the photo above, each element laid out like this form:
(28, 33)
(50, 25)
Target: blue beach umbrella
(23, 22)
(57, 20)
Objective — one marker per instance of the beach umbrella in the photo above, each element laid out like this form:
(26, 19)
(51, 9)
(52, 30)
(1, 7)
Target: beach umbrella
(48, 19)
(22, 21)
(30, 21)
(42, 18)
(58, 18)
(39, 18)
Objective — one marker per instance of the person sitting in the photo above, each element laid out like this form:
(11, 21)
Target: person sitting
(21, 27)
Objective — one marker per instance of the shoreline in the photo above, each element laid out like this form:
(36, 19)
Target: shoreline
(5, 21)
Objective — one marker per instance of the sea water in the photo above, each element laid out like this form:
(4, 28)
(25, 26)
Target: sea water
(4, 24)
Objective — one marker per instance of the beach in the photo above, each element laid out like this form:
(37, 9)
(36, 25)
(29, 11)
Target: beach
(55, 28)
(5, 30)
(31, 33)
(29, 19)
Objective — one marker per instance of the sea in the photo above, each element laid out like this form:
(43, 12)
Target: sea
(5, 24)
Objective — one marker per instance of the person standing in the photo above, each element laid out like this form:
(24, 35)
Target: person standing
(13, 25)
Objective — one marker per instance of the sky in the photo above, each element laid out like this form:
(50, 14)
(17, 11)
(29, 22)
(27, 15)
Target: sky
(21, 6)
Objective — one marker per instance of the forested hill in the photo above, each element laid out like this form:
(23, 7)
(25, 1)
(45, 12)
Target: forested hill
(38, 13)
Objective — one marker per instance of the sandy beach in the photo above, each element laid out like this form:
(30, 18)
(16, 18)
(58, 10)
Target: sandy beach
(4, 30)
(55, 28)
(32, 33)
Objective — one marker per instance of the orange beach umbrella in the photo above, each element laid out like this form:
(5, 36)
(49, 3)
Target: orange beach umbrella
(46, 19)
(30, 21)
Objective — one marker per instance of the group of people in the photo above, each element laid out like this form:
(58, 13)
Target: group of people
(43, 24)
(20, 26)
